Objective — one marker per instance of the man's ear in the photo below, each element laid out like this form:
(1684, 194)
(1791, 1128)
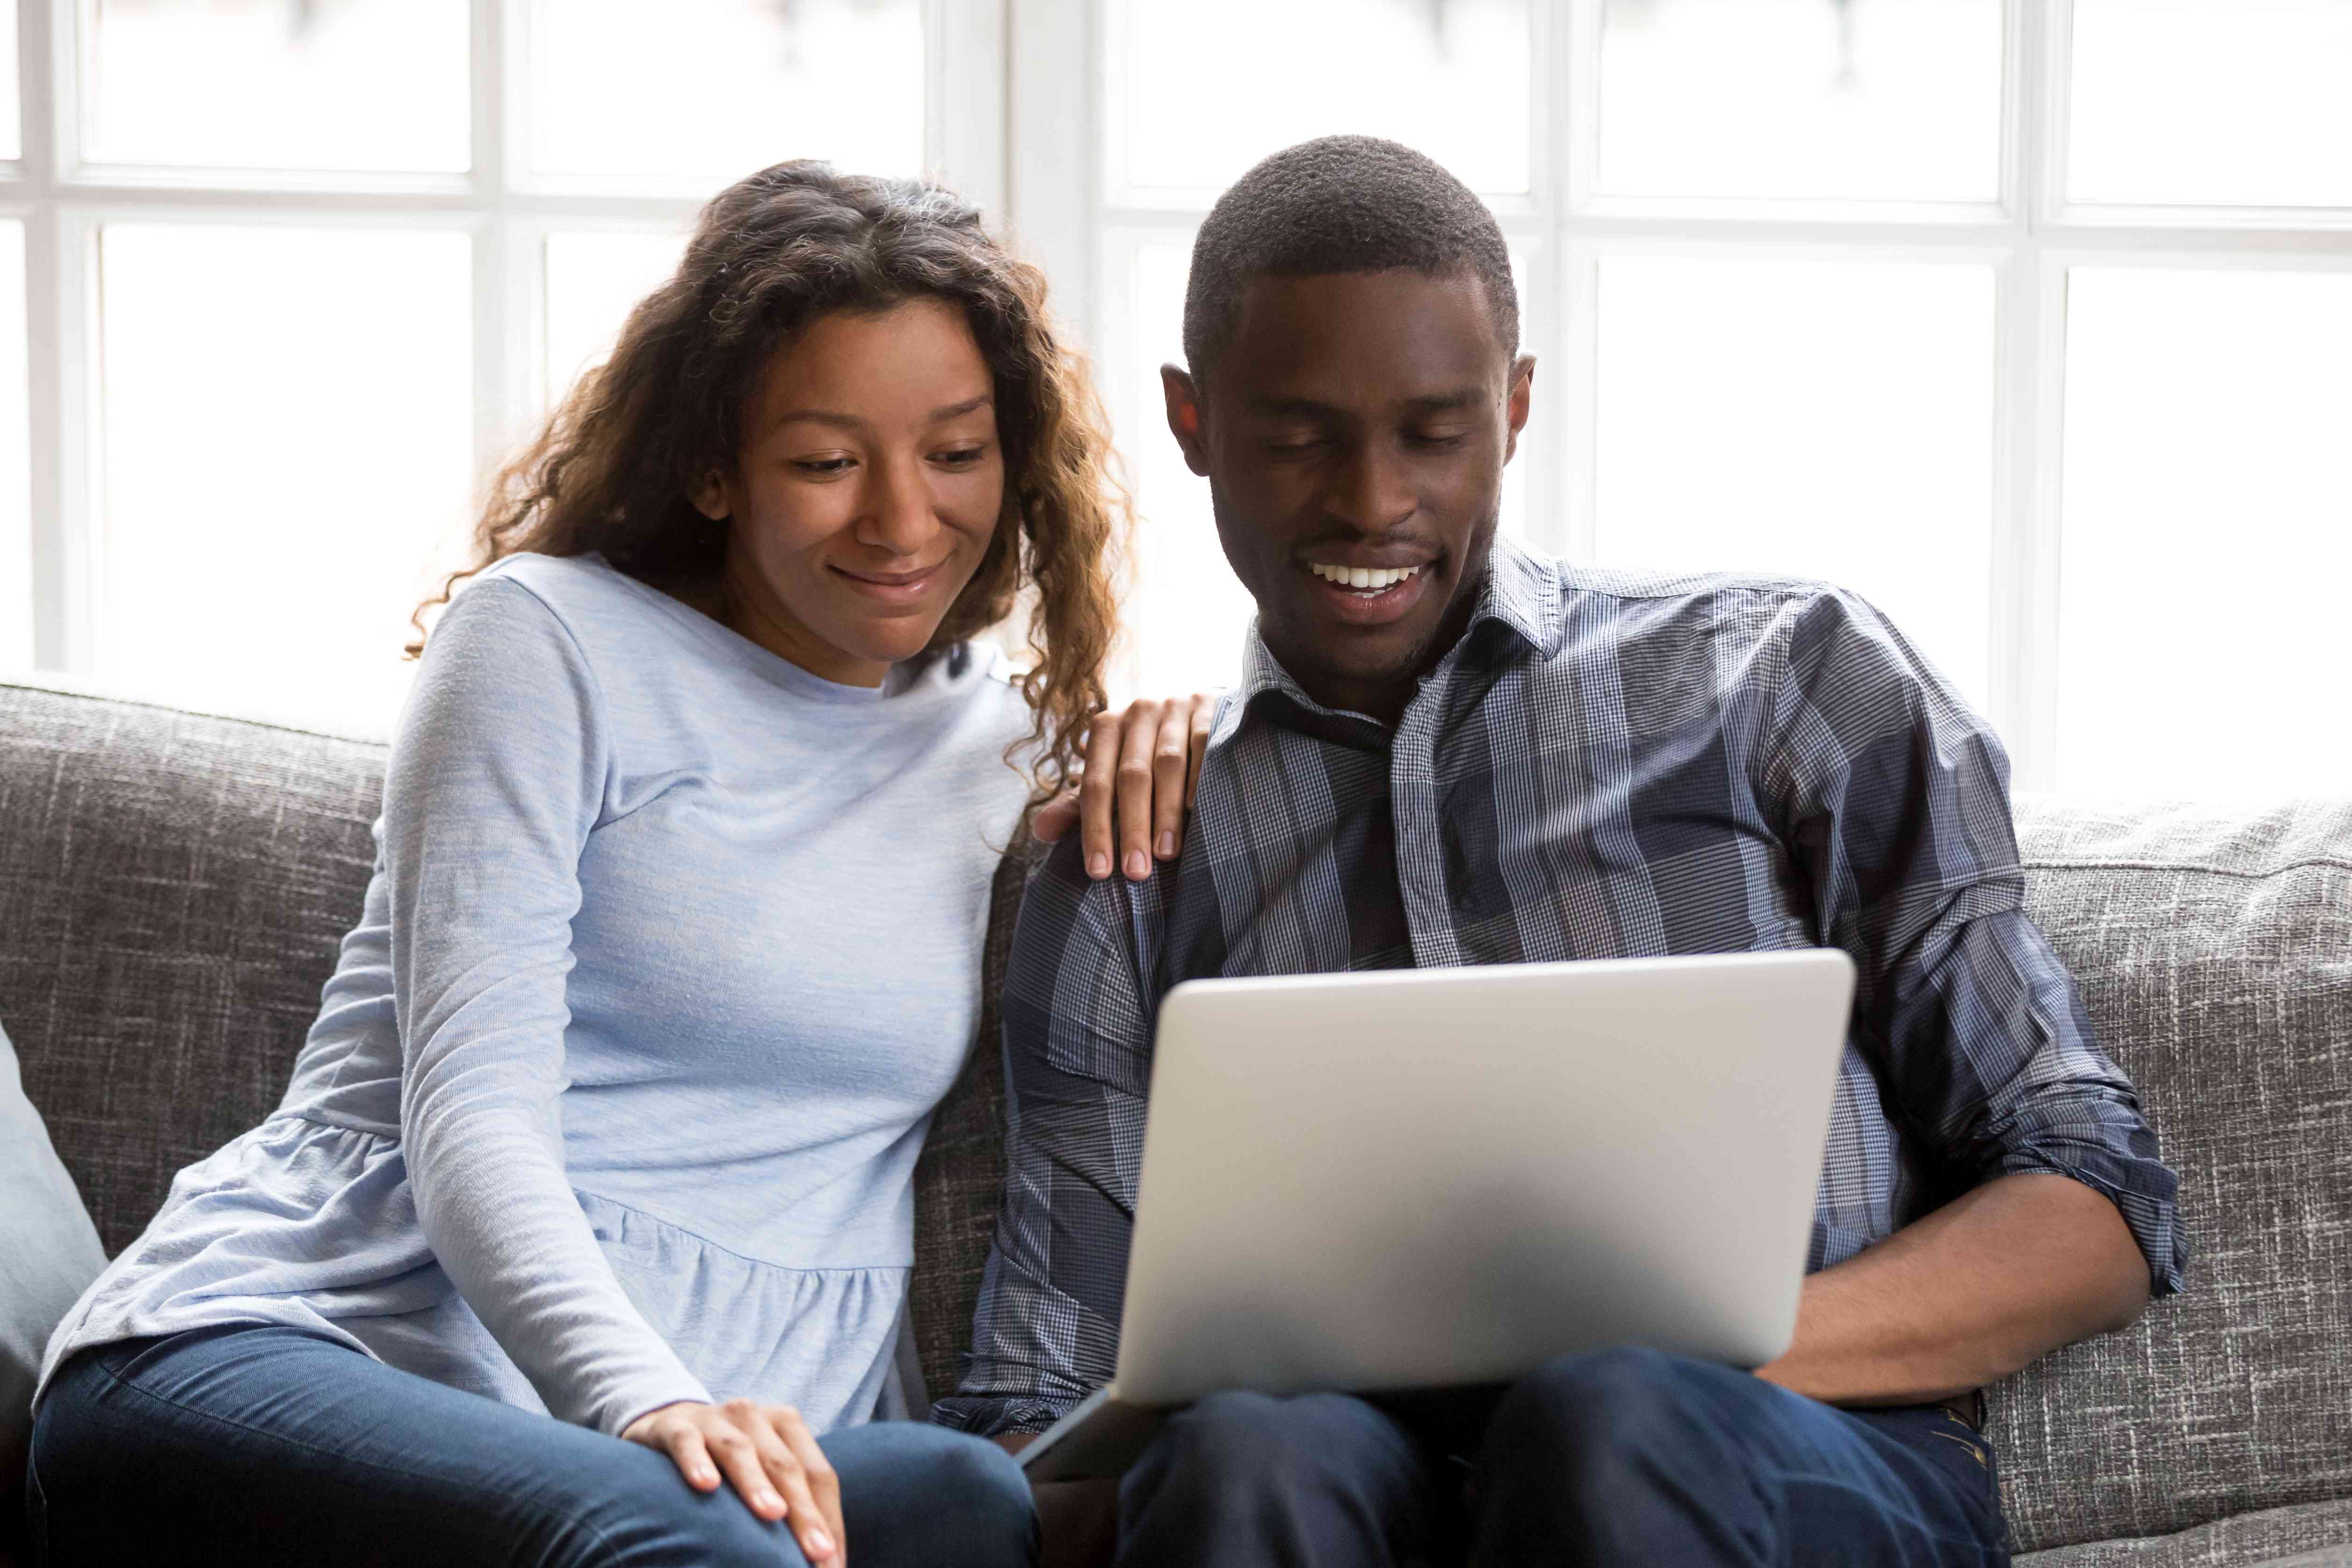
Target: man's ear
(1523, 381)
(1184, 417)
(707, 492)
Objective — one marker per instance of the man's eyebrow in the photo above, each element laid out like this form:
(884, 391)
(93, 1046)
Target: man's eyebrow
(1467, 398)
(1455, 402)
(851, 422)
(1307, 407)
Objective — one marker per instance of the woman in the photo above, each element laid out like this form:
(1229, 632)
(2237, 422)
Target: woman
(613, 1104)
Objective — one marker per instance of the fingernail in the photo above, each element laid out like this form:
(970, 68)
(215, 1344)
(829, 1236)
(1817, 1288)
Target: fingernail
(1138, 866)
(706, 1477)
(820, 1543)
(1097, 866)
(769, 1500)
(1167, 845)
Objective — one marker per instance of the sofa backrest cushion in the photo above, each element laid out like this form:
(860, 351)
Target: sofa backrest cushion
(173, 890)
(2214, 951)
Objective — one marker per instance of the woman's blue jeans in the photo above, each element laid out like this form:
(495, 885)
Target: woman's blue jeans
(268, 1446)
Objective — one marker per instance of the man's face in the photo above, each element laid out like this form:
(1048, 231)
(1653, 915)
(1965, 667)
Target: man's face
(1353, 432)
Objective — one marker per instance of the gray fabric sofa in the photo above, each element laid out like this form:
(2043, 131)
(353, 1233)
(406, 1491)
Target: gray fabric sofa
(172, 888)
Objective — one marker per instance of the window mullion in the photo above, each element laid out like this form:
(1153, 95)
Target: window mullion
(2028, 366)
(1576, 78)
(506, 252)
(59, 289)
(1052, 151)
(966, 72)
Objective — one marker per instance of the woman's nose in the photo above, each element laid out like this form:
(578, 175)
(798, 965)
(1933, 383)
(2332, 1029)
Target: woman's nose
(901, 516)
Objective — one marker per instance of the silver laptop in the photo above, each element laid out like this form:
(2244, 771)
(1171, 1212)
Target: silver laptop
(1428, 1178)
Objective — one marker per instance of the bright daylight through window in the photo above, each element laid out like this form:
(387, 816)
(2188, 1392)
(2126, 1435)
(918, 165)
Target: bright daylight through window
(2029, 320)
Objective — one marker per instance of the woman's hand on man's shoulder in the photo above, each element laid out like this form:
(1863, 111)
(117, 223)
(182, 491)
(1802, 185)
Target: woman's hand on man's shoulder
(1142, 768)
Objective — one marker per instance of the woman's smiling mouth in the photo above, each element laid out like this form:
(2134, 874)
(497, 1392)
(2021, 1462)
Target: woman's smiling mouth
(893, 587)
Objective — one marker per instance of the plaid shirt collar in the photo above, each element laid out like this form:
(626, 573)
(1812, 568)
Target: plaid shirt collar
(1523, 594)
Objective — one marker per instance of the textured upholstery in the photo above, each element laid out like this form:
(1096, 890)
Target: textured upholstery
(2214, 950)
(172, 889)
(2315, 1535)
(962, 1168)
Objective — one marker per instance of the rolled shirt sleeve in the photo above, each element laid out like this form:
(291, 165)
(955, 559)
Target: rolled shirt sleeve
(1894, 802)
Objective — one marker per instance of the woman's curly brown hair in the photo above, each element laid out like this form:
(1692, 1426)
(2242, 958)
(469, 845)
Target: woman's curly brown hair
(609, 471)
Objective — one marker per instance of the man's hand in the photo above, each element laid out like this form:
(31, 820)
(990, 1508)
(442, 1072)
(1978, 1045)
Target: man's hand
(1143, 767)
(768, 1453)
(1991, 1282)
(1078, 1522)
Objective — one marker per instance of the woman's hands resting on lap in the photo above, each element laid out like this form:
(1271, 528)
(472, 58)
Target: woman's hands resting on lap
(769, 1454)
(1142, 767)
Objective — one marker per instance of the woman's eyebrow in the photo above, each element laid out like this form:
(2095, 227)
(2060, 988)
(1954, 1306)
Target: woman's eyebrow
(851, 422)
(958, 410)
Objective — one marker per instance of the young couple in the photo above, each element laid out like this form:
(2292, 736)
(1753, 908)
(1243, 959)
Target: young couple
(611, 1109)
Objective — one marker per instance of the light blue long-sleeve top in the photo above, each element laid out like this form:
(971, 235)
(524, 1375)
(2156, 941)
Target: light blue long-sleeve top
(614, 1098)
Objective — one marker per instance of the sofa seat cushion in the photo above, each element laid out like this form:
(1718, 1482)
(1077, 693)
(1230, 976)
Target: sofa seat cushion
(2315, 1535)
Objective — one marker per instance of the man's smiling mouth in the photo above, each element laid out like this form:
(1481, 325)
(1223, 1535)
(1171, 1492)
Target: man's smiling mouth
(1365, 580)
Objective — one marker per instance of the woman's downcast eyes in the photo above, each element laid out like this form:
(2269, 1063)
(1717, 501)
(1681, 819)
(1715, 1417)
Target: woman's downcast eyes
(825, 467)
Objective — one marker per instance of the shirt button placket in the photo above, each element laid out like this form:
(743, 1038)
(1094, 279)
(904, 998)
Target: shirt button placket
(1420, 836)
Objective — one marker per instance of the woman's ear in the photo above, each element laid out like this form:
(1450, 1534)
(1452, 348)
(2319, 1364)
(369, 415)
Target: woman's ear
(709, 494)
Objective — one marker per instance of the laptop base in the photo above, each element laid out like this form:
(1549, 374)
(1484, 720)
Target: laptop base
(1099, 1437)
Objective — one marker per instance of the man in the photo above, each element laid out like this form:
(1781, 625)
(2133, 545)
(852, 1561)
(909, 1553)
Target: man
(1446, 750)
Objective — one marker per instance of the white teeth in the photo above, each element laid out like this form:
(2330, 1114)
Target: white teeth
(1363, 579)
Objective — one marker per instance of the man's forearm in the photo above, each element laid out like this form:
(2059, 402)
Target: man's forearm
(1985, 1285)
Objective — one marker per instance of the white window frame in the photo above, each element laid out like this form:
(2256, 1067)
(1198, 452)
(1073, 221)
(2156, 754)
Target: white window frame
(1065, 208)
(63, 200)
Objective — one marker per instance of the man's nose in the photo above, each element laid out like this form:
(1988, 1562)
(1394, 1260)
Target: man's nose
(1374, 489)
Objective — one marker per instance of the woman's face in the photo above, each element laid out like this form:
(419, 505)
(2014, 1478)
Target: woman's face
(867, 487)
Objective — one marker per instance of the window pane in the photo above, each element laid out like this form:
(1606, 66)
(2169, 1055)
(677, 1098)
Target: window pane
(15, 493)
(709, 91)
(1201, 91)
(2208, 533)
(1820, 419)
(281, 84)
(1186, 612)
(593, 279)
(1899, 100)
(2212, 101)
(284, 464)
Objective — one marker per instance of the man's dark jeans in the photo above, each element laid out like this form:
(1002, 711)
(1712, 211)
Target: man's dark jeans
(1623, 1456)
(265, 1447)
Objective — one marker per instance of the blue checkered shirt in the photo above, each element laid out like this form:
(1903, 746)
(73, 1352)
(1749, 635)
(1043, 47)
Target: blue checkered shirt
(1605, 765)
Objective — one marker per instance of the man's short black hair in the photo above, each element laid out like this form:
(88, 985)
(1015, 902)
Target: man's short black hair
(1341, 204)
